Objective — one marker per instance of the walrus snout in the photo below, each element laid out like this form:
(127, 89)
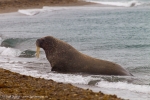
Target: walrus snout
(39, 42)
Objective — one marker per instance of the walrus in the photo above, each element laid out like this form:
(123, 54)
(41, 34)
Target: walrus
(66, 59)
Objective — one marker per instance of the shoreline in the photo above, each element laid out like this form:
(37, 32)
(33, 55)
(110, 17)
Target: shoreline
(16, 86)
(14, 5)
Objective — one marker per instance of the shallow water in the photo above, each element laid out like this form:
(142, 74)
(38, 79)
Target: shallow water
(117, 34)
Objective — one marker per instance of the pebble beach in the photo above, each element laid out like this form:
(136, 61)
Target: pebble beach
(16, 86)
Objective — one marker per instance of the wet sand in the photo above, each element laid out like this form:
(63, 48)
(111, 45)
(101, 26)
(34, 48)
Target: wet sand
(7, 6)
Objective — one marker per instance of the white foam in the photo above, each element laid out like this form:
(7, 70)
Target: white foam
(9, 52)
(119, 3)
(2, 49)
(47, 8)
(30, 12)
(65, 78)
(68, 78)
(17, 65)
(125, 86)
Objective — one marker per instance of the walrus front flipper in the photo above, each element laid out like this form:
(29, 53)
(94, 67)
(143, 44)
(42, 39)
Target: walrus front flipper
(37, 51)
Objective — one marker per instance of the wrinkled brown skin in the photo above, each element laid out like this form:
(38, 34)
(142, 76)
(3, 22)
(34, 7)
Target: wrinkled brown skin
(66, 59)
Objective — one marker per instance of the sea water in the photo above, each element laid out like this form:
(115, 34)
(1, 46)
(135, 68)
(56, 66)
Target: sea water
(118, 33)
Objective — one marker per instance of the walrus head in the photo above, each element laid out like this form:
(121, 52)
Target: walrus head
(48, 43)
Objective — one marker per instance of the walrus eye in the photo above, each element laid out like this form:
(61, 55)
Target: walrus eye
(42, 40)
(39, 42)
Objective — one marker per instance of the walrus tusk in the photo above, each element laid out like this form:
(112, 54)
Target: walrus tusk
(37, 51)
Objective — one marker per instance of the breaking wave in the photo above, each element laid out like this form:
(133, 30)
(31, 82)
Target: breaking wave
(119, 3)
(12, 47)
(32, 12)
(125, 86)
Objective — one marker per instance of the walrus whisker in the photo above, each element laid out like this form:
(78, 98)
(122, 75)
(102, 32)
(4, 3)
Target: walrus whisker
(37, 51)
